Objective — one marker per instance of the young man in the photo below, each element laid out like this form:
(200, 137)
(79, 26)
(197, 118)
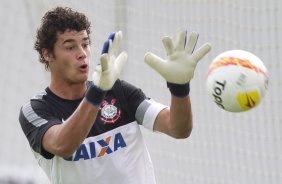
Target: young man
(88, 131)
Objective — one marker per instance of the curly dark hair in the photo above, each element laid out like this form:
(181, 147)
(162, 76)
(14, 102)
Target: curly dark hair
(55, 21)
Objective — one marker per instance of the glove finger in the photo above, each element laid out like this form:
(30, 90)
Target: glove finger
(168, 45)
(116, 42)
(120, 61)
(104, 62)
(201, 52)
(193, 38)
(106, 45)
(105, 48)
(181, 40)
(112, 36)
(155, 62)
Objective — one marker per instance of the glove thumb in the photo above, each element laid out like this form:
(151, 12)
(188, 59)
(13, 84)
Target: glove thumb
(155, 62)
(104, 62)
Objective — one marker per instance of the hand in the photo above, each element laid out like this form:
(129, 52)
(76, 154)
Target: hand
(181, 61)
(107, 72)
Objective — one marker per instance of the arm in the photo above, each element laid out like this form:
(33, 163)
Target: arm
(175, 121)
(63, 139)
(178, 70)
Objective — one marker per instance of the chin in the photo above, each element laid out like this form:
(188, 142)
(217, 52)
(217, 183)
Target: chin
(82, 79)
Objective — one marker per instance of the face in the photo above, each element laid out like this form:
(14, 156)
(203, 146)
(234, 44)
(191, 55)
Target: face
(70, 59)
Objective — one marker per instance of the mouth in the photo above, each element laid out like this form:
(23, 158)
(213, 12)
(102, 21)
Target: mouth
(83, 68)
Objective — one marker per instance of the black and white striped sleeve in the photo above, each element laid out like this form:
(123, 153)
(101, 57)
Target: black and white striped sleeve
(35, 119)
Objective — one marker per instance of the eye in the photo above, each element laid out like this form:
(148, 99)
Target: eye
(70, 48)
(85, 45)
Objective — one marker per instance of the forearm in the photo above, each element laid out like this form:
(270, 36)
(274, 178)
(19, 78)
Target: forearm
(178, 70)
(65, 138)
(180, 117)
(175, 121)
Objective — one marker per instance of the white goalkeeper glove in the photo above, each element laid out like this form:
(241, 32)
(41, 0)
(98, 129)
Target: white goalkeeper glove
(107, 72)
(181, 60)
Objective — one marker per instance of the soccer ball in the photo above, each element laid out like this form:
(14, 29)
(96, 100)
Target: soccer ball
(237, 80)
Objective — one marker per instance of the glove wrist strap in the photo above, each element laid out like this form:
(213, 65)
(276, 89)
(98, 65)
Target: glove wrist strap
(95, 95)
(179, 90)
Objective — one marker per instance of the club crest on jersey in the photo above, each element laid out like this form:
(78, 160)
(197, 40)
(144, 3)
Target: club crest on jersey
(109, 112)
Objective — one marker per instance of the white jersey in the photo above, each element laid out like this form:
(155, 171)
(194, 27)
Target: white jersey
(113, 152)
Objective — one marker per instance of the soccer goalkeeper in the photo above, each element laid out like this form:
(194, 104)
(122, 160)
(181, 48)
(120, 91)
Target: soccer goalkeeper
(88, 132)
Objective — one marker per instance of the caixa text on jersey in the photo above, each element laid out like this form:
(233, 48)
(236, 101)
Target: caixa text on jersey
(98, 148)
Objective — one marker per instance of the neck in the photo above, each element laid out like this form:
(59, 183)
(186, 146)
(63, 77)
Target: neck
(70, 91)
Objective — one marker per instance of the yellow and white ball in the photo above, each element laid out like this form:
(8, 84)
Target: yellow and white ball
(237, 80)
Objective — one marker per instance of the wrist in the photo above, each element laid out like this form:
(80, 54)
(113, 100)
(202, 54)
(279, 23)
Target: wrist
(95, 95)
(179, 90)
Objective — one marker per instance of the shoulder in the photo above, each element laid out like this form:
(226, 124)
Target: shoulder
(124, 84)
(129, 88)
(34, 106)
(38, 98)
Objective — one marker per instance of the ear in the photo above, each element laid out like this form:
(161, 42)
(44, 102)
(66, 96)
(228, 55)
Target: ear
(46, 55)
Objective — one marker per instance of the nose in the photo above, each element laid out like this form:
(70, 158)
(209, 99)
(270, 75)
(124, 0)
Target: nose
(82, 53)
